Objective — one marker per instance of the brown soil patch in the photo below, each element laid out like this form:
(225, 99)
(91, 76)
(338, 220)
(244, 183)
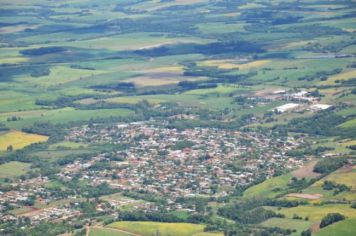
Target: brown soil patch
(160, 79)
(32, 211)
(315, 227)
(305, 196)
(346, 169)
(306, 171)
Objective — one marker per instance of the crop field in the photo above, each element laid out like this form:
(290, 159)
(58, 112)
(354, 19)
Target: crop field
(13, 169)
(227, 64)
(165, 229)
(18, 139)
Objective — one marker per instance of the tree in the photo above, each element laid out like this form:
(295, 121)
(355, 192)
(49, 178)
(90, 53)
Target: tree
(306, 233)
(10, 148)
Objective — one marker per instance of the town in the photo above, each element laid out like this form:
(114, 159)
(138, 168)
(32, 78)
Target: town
(199, 161)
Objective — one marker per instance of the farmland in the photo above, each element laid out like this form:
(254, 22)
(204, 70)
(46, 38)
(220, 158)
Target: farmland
(149, 228)
(18, 139)
(177, 117)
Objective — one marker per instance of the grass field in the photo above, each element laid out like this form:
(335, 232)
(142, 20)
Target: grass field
(284, 223)
(268, 188)
(165, 229)
(316, 213)
(349, 124)
(60, 75)
(67, 144)
(13, 169)
(19, 139)
(62, 115)
(340, 77)
(106, 232)
(343, 228)
(345, 176)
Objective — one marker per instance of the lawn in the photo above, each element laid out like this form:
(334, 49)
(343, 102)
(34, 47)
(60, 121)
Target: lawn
(13, 169)
(19, 139)
(165, 229)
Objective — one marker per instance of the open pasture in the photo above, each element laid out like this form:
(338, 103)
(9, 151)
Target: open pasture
(316, 213)
(165, 229)
(132, 41)
(343, 76)
(285, 223)
(345, 175)
(349, 124)
(64, 115)
(344, 228)
(268, 188)
(99, 231)
(13, 169)
(60, 75)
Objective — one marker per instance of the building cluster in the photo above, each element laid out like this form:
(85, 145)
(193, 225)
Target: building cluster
(23, 190)
(199, 161)
(52, 214)
(298, 101)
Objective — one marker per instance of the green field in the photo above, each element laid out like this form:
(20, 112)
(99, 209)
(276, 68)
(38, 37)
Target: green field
(284, 223)
(268, 188)
(63, 115)
(349, 124)
(344, 228)
(343, 176)
(165, 229)
(13, 169)
(106, 232)
(316, 213)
